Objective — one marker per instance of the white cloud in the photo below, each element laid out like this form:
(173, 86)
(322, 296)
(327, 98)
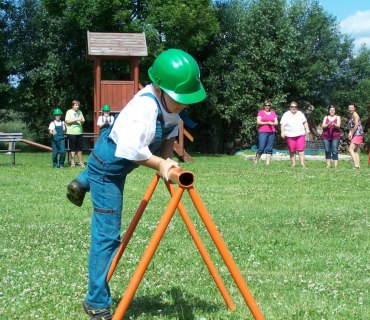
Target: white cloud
(358, 26)
(362, 40)
(359, 23)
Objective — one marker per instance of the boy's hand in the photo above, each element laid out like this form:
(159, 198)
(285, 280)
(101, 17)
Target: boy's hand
(165, 166)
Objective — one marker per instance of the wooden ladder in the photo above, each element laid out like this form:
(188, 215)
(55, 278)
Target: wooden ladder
(179, 147)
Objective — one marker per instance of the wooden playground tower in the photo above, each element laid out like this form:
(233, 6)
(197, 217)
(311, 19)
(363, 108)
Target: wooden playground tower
(103, 46)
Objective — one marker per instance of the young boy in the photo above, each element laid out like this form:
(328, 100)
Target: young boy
(57, 128)
(105, 120)
(147, 126)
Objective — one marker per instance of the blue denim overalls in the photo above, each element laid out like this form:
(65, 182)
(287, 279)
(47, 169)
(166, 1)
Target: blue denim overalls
(105, 178)
(58, 146)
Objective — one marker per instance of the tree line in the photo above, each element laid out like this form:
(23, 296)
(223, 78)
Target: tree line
(248, 51)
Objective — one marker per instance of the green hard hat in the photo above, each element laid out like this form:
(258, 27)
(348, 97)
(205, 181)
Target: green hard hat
(57, 111)
(177, 73)
(105, 108)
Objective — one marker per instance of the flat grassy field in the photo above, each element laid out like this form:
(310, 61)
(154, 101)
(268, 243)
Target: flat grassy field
(299, 237)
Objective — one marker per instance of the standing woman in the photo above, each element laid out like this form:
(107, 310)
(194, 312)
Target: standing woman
(355, 135)
(294, 128)
(331, 136)
(74, 121)
(266, 121)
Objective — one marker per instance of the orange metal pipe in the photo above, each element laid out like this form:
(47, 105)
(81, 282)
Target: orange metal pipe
(226, 256)
(184, 179)
(133, 225)
(176, 175)
(148, 255)
(203, 251)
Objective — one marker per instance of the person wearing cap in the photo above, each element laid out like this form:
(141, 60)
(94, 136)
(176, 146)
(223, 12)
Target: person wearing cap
(57, 128)
(105, 120)
(143, 134)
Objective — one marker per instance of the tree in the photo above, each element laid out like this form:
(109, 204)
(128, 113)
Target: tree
(248, 51)
(49, 47)
(322, 53)
(353, 84)
(274, 50)
(40, 60)
(249, 63)
(5, 87)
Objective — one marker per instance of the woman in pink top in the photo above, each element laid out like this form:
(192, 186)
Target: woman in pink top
(266, 121)
(331, 136)
(356, 134)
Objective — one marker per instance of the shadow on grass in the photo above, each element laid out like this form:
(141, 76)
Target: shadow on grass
(173, 303)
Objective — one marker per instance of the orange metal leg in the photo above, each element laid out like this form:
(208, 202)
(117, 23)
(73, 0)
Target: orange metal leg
(203, 251)
(226, 256)
(148, 255)
(132, 227)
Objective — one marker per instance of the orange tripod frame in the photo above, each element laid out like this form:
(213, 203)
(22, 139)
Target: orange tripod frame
(185, 180)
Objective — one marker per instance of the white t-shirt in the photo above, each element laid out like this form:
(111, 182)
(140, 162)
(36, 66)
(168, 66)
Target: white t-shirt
(134, 129)
(56, 123)
(101, 120)
(293, 124)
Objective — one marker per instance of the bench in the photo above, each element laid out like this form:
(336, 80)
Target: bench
(87, 144)
(10, 139)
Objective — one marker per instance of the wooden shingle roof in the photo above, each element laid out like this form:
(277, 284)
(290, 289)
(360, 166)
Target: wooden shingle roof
(102, 44)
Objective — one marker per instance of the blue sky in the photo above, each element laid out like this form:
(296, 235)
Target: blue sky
(353, 16)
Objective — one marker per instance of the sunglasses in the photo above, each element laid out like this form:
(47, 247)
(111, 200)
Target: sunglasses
(267, 105)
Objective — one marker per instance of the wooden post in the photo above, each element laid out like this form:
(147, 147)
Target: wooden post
(97, 93)
(181, 138)
(135, 73)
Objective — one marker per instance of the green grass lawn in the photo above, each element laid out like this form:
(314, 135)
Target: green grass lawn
(299, 237)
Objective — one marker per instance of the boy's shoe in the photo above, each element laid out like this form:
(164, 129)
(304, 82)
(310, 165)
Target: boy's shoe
(76, 192)
(97, 314)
